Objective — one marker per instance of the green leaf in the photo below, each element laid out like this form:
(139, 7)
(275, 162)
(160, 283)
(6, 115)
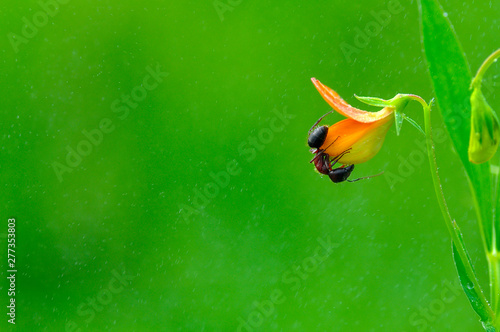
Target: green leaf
(414, 124)
(469, 289)
(451, 78)
(372, 101)
(488, 327)
(398, 117)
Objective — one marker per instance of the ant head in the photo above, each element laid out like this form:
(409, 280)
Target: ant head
(317, 137)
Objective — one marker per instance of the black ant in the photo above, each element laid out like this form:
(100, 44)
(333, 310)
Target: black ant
(316, 139)
(322, 160)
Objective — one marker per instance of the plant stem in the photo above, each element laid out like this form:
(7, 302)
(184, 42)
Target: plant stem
(451, 224)
(494, 266)
(476, 82)
(493, 256)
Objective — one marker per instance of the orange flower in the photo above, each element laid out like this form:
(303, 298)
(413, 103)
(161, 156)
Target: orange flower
(362, 132)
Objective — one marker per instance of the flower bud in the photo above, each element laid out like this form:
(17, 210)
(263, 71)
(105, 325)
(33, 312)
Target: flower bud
(484, 131)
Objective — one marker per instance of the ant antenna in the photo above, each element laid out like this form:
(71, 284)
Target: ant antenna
(319, 120)
(366, 177)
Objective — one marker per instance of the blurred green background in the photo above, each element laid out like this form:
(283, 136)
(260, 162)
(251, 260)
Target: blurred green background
(122, 240)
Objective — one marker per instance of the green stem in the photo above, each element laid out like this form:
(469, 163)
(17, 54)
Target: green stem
(451, 224)
(494, 266)
(476, 82)
(493, 256)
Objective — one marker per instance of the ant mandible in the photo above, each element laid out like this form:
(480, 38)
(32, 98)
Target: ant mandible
(322, 160)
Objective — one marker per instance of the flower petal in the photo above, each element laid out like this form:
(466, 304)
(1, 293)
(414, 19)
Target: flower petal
(364, 139)
(338, 104)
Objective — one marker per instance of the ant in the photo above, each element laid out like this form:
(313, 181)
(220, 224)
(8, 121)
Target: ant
(322, 160)
(316, 139)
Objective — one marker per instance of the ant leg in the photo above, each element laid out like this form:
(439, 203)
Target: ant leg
(324, 165)
(319, 120)
(337, 158)
(320, 152)
(366, 177)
